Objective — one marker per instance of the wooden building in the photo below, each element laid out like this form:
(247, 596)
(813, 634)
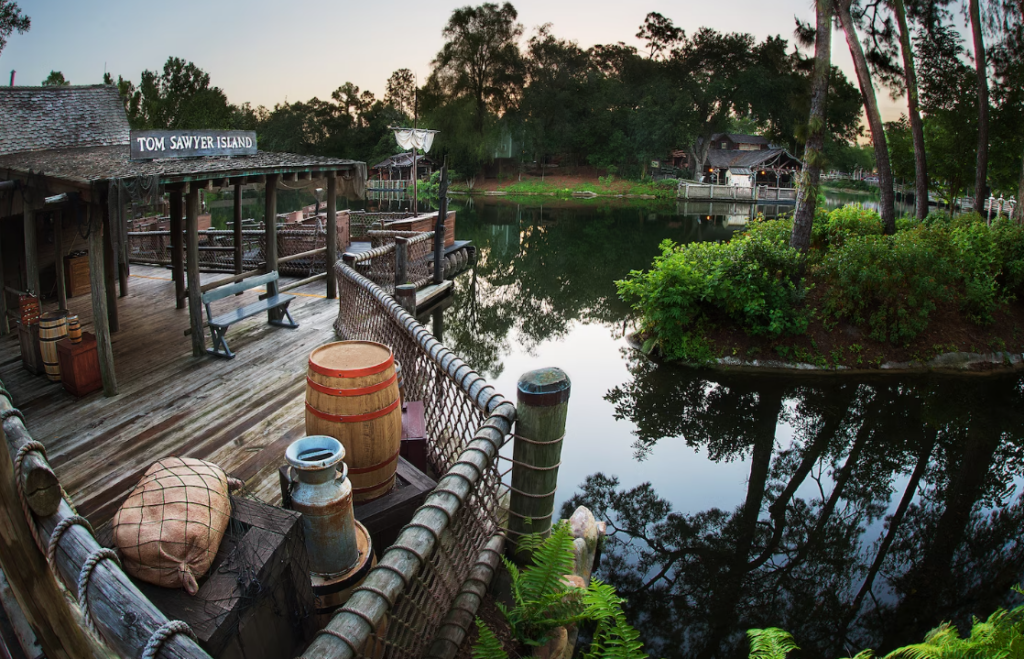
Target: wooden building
(66, 174)
(397, 167)
(743, 161)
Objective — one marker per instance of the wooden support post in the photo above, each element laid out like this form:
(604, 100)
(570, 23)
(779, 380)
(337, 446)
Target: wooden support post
(177, 248)
(98, 289)
(405, 295)
(5, 323)
(58, 259)
(238, 228)
(108, 271)
(31, 250)
(442, 213)
(270, 229)
(332, 234)
(541, 406)
(195, 297)
(34, 586)
(401, 260)
(38, 482)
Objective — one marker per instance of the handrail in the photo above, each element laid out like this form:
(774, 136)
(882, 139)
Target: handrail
(126, 620)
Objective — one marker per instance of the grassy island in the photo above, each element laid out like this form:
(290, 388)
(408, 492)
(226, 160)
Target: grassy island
(858, 298)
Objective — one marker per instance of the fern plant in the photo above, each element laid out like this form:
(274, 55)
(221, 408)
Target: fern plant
(545, 600)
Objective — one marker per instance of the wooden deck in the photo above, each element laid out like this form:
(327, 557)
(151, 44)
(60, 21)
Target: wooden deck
(240, 414)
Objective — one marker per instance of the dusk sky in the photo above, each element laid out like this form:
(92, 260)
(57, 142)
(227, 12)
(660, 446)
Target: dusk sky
(268, 52)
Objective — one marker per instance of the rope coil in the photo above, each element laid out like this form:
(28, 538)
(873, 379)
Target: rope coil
(88, 566)
(19, 459)
(58, 532)
(162, 634)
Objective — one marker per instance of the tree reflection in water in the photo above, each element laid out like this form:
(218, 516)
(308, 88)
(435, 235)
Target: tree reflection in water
(893, 507)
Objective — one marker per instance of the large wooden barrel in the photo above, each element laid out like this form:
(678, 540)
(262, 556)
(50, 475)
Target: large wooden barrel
(352, 395)
(53, 326)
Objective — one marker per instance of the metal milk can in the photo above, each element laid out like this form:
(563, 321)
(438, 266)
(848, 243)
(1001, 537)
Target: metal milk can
(324, 497)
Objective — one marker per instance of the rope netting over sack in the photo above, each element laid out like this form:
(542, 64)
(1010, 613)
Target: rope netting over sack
(411, 604)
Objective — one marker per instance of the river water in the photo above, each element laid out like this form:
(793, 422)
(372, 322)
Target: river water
(852, 511)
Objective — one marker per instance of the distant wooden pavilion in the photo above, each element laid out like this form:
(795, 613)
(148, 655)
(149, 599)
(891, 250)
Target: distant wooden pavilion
(65, 174)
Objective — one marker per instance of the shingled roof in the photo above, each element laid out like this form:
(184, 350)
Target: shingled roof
(45, 118)
(749, 159)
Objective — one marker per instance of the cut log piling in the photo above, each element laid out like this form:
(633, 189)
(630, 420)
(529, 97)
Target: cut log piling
(541, 408)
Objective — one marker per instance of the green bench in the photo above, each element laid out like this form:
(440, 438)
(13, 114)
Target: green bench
(275, 305)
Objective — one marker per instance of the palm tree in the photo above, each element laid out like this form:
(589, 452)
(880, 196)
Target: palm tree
(867, 89)
(814, 151)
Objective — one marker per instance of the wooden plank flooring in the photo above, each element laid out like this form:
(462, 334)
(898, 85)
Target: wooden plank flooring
(240, 414)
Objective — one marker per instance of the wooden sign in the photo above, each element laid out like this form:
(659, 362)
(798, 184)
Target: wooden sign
(152, 144)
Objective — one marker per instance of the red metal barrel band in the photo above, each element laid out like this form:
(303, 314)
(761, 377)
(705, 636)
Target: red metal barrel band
(366, 470)
(361, 391)
(352, 373)
(353, 418)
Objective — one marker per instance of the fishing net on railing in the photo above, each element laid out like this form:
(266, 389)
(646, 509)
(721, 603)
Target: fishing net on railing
(419, 268)
(455, 401)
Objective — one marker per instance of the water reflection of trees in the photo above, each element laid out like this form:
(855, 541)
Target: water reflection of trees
(892, 507)
(541, 269)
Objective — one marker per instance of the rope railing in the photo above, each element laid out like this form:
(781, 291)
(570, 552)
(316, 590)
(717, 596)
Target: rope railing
(110, 603)
(379, 265)
(405, 605)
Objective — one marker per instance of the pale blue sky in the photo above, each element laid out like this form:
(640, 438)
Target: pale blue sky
(266, 52)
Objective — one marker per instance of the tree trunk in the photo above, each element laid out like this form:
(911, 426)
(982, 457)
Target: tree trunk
(867, 90)
(814, 151)
(981, 176)
(914, 112)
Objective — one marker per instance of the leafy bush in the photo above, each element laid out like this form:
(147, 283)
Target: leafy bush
(891, 283)
(545, 601)
(1001, 635)
(850, 221)
(752, 279)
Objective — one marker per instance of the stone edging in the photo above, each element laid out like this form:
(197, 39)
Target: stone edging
(950, 362)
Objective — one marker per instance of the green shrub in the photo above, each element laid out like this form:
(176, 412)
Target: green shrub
(978, 263)
(891, 283)
(1009, 239)
(753, 280)
(848, 221)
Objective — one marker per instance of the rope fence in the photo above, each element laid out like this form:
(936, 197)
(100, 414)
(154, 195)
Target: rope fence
(407, 605)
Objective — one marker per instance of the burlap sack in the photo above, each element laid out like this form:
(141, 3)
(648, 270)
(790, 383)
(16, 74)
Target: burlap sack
(169, 529)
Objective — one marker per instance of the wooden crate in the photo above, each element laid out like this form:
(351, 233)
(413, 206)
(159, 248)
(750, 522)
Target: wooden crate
(275, 617)
(76, 275)
(79, 365)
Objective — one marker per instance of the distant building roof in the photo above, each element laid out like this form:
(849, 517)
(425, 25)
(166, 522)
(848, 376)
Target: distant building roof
(90, 164)
(728, 159)
(402, 160)
(44, 118)
(740, 138)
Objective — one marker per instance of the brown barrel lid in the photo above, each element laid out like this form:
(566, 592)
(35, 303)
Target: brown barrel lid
(350, 359)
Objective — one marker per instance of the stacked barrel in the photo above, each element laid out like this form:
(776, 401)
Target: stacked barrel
(53, 326)
(352, 395)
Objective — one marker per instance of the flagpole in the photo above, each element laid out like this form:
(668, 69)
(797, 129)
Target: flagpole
(415, 119)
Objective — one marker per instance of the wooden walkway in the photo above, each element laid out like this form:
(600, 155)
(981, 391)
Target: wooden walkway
(240, 414)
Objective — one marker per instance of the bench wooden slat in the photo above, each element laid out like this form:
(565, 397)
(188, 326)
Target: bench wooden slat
(225, 320)
(244, 285)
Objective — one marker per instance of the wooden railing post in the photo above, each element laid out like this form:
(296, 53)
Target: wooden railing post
(405, 295)
(401, 260)
(332, 234)
(542, 402)
(35, 588)
(442, 213)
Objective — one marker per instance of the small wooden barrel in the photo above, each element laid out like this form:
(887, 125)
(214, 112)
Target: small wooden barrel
(53, 326)
(74, 329)
(352, 395)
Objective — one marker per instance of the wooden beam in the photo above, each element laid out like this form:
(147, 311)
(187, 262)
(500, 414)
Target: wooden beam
(5, 323)
(238, 228)
(332, 235)
(31, 249)
(195, 297)
(108, 271)
(270, 229)
(98, 289)
(58, 261)
(177, 248)
(37, 592)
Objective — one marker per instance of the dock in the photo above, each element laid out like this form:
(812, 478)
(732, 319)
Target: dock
(240, 414)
